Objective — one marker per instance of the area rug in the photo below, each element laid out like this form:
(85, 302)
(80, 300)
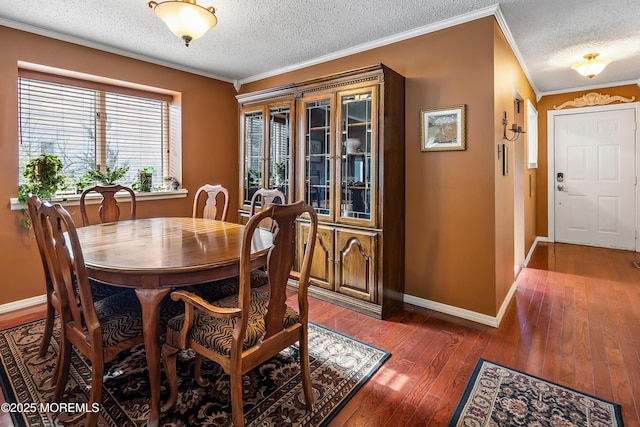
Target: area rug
(499, 396)
(272, 392)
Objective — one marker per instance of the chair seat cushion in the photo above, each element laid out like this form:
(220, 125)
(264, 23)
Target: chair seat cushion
(101, 291)
(120, 317)
(214, 291)
(216, 334)
(217, 290)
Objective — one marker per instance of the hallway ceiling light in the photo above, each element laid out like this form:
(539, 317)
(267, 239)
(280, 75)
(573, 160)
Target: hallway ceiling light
(591, 66)
(185, 18)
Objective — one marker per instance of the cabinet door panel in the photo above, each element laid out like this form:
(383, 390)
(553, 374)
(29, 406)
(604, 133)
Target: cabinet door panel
(317, 137)
(356, 264)
(357, 156)
(323, 262)
(252, 146)
(280, 150)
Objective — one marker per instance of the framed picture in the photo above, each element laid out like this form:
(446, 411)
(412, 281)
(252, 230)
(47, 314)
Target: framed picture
(443, 129)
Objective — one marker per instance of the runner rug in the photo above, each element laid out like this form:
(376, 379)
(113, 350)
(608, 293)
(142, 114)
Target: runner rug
(499, 396)
(272, 392)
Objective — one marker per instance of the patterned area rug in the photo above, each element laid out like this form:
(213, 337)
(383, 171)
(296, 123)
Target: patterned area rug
(272, 392)
(500, 396)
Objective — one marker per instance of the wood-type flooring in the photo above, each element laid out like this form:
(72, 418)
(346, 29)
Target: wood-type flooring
(574, 320)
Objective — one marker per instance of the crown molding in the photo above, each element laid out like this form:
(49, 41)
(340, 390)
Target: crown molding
(105, 48)
(437, 26)
(591, 87)
(502, 23)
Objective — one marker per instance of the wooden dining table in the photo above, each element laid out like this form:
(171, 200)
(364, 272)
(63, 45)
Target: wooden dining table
(155, 255)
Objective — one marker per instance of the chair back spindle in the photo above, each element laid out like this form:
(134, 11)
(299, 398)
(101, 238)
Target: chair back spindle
(265, 197)
(210, 209)
(109, 210)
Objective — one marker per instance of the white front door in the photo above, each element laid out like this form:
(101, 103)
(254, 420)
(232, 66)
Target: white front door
(594, 179)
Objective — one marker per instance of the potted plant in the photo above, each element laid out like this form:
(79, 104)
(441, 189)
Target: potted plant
(279, 169)
(254, 177)
(145, 179)
(44, 178)
(109, 176)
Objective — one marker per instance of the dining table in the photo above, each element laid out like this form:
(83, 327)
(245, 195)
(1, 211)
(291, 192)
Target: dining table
(154, 256)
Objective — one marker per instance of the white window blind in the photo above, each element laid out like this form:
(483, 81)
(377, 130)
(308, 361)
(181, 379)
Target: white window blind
(90, 126)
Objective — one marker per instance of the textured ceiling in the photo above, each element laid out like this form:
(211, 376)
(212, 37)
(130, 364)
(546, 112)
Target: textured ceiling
(256, 38)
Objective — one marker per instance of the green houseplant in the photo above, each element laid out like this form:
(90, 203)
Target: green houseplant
(145, 179)
(279, 169)
(109, 176)
(44, 178)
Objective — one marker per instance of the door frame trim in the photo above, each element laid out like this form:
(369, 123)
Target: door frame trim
(551, 161)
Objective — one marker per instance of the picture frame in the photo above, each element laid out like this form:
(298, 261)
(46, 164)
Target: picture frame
(443, 128)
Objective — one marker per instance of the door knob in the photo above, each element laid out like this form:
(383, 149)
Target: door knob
(562, 188)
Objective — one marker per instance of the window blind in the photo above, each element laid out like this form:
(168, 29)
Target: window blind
(89, 128)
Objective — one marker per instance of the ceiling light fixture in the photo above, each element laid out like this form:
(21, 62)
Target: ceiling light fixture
(591, 66)
(185, 18)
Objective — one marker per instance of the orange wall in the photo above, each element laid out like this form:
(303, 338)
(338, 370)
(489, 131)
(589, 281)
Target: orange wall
(509, 80)
(209, 140)
(546, 104)
(458, 244)
(451, 240)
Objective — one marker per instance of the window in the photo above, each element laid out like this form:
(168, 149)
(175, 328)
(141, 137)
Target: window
(91, 125)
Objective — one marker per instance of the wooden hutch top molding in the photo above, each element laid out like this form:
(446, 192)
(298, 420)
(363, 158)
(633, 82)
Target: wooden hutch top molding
(279, 92)
(373, 73)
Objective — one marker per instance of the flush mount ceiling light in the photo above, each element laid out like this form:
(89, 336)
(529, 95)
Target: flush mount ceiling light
(591, 66)
(185, 18)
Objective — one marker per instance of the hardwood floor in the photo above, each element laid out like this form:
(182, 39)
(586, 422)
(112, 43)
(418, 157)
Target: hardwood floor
(574, 320)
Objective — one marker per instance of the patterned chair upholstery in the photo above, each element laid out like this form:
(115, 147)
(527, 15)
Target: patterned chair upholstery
(214, 291)
(210, 332)
(245, 330)
(101, 291)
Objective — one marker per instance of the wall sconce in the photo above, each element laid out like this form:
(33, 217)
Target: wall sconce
(517, 130)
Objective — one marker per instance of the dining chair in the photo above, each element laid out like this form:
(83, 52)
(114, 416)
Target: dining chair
(219, 289)
(109, 210)
(98, 290)
(266, 197)
(210, 209)
(100, 330)
(245, 330)
(263, 198)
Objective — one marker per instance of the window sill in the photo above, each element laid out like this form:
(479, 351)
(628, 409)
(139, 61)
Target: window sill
(94, 198)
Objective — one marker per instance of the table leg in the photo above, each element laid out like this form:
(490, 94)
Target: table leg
(150, 300)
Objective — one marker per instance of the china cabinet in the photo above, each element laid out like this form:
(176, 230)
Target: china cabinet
(348, 163)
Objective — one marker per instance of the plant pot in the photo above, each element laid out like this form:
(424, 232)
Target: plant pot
(146, 181)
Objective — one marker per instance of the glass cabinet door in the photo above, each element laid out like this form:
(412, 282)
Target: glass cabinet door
(253, 153)
(318, 166)
(357, 148)
(279, 162)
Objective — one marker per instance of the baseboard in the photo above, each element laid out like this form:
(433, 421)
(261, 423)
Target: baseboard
(533, 248)
(23, 303)
(462, 312)
(505, 303)
(451, 310)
